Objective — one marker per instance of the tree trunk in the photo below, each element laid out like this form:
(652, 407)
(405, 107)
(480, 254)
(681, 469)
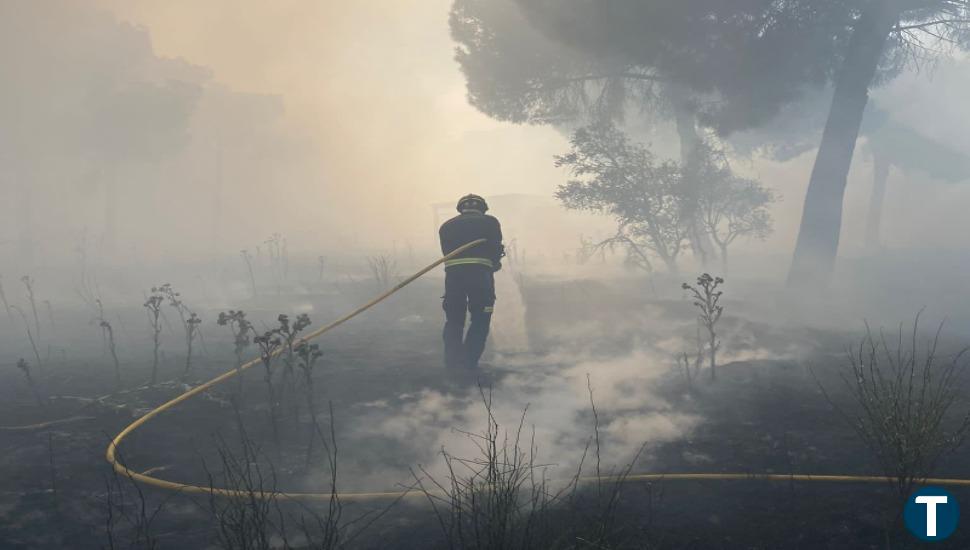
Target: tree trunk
(25, 222)
(724, 259)
(110, 236)
(880, 172)
(685, 118)
(670, 261)
(672, 266)
(218, 201)
(818, 235)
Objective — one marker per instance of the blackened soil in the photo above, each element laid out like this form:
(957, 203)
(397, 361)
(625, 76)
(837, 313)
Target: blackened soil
(759, 416)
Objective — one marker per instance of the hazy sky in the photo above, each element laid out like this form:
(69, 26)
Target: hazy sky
(376, 127)
(376, 84)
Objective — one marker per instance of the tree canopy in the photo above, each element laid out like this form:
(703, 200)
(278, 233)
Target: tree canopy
(544, 61)
(736, 65)
(654, 208)
(617, 177)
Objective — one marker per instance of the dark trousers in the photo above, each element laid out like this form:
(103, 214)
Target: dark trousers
(468, 288)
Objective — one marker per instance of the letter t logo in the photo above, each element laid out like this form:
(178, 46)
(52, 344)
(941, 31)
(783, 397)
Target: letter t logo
(931, 502)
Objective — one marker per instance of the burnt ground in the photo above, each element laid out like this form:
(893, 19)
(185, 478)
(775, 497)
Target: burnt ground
(764, 414)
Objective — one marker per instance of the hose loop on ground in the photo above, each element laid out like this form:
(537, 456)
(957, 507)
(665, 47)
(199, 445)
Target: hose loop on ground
(146, 479)
(111, 454)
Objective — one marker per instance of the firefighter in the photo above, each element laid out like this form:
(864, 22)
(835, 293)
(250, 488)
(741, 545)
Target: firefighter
(469, 280)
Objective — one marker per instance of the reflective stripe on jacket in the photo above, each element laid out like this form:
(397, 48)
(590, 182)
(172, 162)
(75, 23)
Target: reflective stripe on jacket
(467, 227)
(466, 261)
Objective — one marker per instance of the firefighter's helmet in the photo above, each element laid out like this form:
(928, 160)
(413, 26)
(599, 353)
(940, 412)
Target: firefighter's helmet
(472, 202)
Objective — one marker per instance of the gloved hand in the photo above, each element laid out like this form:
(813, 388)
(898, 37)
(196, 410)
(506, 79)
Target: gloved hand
(497, 266)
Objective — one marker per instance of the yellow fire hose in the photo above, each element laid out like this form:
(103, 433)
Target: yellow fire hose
(111, 453)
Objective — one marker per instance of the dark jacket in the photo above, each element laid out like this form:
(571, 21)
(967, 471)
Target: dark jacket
(467, 227)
